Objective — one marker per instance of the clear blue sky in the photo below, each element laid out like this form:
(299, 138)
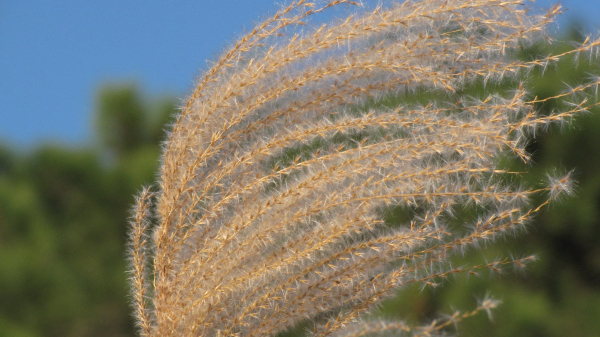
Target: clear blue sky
(54, 55)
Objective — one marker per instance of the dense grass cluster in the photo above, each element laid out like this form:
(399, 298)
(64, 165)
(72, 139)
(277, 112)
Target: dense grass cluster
(275, 177)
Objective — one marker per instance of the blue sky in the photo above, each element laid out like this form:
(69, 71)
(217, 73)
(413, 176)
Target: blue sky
(54, 55)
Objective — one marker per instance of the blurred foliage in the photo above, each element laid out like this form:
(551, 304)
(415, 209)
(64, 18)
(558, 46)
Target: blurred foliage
(63, 228)
(63, 216)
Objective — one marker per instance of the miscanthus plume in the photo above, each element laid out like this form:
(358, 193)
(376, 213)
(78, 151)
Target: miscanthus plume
(268, 209)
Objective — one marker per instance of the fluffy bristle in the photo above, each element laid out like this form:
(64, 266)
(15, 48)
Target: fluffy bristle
(274, 177)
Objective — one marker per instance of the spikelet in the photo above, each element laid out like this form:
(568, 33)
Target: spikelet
(268, 207)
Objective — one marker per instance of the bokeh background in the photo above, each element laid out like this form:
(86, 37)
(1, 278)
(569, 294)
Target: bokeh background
(85, 92)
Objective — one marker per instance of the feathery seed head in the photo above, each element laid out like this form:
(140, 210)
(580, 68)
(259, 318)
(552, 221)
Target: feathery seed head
(276, 172)
(559, 186)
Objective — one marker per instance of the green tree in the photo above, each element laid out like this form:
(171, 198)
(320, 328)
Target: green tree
(63, 215)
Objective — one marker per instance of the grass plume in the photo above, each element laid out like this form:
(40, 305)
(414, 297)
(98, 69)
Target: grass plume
(268, 206)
